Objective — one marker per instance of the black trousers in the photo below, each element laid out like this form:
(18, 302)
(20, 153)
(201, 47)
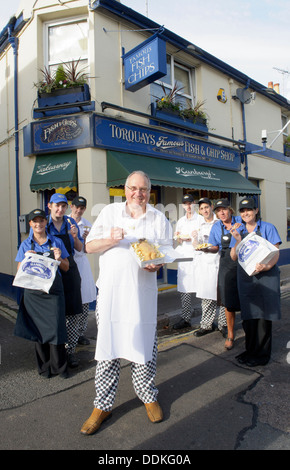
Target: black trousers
(258, 337)
(50, 358)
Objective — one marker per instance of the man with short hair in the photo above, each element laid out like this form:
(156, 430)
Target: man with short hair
(207, 265)
(186, 235)
(127, 299)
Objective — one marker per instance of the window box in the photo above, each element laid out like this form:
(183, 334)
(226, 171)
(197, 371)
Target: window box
(174, 118)
(63, 96)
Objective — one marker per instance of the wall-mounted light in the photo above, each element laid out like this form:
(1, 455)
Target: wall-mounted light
(189, 47)
(264, 136)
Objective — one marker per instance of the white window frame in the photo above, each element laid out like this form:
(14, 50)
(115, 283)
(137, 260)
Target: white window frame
(287, 209)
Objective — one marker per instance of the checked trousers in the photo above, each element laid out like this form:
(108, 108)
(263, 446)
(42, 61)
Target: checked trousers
(209, 308)
(107, 379)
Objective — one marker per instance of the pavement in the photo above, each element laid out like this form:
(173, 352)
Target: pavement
(210, 402)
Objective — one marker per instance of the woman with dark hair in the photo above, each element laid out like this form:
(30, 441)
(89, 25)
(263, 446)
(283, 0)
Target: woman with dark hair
(41, 315)
(259, 294)
(220, 239)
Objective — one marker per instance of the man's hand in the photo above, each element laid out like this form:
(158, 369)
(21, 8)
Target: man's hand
(153, 268)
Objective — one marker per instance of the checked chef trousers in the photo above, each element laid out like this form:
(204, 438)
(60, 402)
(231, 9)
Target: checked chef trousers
(209, 308)
(107, 379)
(186, 306)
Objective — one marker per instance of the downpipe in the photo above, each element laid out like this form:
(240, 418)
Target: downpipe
(13, 40)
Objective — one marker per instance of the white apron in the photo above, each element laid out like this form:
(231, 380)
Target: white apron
(186, 273)
(207, 266)
(127, 294)
(88, 287)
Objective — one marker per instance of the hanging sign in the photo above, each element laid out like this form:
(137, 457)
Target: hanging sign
(145, 63)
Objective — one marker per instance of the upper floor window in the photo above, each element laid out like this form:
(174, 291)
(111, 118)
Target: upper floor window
(288, 210)
(66, 41)
(285, 120)
(178, 75)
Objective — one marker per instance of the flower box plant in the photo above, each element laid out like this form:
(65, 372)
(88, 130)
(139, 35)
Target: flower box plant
(66, 85)
(169, 109)
(287, 146)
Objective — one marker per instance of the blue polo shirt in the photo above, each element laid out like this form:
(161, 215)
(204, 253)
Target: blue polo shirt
(267, 231)
(26, 246)
(215, 236)
(66, 226)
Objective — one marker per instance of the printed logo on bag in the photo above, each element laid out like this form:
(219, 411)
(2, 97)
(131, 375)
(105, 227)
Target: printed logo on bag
(247, 249)
(37, 269)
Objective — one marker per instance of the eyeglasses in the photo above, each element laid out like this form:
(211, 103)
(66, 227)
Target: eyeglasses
(133, 189)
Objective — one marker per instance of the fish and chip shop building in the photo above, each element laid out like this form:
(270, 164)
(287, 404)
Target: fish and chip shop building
(88, 144)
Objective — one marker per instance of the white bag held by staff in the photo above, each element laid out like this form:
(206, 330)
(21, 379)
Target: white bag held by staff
(254, 249)
(36, 272)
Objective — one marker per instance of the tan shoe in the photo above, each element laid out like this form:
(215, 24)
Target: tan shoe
(154, 412)
(95, 420)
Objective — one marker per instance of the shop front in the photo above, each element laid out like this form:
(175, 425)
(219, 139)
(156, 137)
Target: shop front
(175, 162)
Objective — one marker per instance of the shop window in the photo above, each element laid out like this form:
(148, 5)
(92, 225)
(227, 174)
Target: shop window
(66, 41)
(177, 75)
(288, 210)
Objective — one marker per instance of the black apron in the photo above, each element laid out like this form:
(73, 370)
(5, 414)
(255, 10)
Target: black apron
(71, 281)
(227, 294)
(41, 316)
(259, 294)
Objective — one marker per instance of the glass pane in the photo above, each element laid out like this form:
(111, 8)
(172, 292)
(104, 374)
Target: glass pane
(157, 91)
(167, 78)
(288, 197)
(184, 102)
(82, 66)
(288, 225)
(181, 77)
(67, 42)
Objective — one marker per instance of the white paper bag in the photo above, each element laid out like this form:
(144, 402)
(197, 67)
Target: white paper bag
(36, 272)
(254, 249)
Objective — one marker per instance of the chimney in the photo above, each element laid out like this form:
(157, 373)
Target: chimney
(270, 84)
(277, 87)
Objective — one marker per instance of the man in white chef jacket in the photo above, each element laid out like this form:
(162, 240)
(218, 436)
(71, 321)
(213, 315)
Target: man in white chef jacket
(127, 299)
(186, 234)
(207, 266)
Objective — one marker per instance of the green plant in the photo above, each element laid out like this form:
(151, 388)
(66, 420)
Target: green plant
(67, 75)
(194, 112)
(168, 100)
(47, 83)
(75, 76)
(288, 141)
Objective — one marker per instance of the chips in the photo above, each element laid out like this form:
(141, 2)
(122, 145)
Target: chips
(202, 246)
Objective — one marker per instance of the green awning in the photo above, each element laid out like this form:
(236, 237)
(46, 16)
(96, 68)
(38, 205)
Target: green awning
(176, 174)
(53, 171)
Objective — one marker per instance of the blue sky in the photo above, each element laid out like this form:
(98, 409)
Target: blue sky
(252, 36)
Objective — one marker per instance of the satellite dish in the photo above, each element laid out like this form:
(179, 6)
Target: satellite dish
(245, 96)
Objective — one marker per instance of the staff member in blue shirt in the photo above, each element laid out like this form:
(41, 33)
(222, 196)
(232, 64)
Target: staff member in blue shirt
(259, 294)
(65, 228)
(41, 316)
(220, 237)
